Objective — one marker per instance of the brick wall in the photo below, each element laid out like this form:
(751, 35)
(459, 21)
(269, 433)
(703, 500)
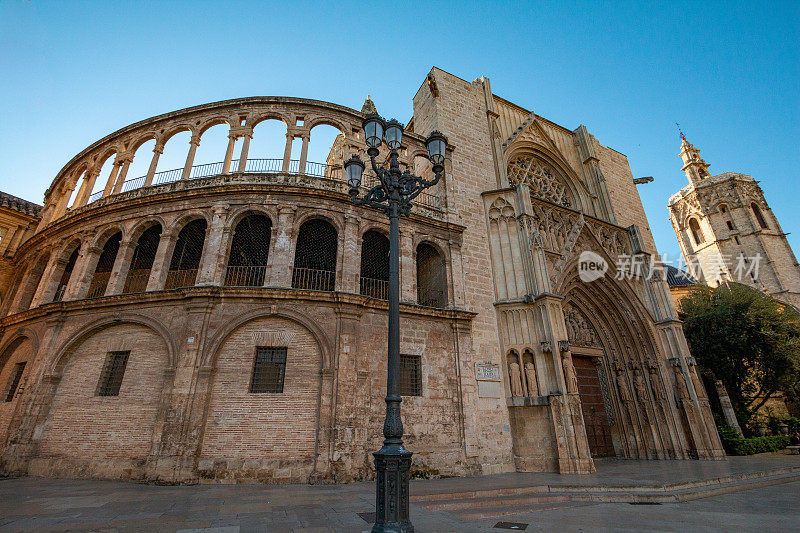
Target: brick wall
(16, 353)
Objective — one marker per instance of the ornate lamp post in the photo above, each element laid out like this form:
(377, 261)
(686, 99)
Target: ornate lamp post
(393, 196)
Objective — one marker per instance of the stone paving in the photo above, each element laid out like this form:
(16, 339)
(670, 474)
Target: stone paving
(89, 505)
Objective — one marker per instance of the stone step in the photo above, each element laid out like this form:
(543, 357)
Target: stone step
(491, 503)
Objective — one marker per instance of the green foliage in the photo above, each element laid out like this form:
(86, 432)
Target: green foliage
(748, 340)
(756, 445)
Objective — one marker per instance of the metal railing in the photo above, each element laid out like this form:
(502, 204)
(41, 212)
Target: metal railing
(312, 279)
(137, 280)
(264, 166)
(99, 284)
(180, 278)
(375, 288)
(245, 276)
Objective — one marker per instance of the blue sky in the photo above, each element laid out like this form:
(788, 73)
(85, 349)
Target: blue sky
(72, 72)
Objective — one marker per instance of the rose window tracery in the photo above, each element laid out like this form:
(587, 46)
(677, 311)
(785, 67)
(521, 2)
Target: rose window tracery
(540, 178)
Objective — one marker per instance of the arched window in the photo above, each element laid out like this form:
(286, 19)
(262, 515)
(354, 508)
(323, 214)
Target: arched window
(759, 216)
(247, 264)
(186, 256)
(105, 264)
(29, 284)
(375, 265)
(697, 233)
(66, 275)
(723, 208)
(431, 276)
(315, 256)
(143, 256)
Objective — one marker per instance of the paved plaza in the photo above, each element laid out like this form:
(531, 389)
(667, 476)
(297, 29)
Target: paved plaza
(738, 494)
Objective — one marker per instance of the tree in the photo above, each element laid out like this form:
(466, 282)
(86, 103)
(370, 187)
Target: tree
(747, 339)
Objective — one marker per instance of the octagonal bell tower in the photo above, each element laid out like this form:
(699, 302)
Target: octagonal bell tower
(727, 231)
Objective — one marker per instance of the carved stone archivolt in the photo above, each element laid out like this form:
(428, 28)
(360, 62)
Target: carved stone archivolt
(579, 330)
(539, 176)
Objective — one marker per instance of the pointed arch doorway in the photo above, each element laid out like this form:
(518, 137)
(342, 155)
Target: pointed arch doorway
(596, 420)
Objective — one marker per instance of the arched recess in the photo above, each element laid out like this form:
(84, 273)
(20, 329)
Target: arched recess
(548, 179)
(30, 282)
(249, 252)
(697, 231)
(16, 359)
(759, 216)
(374, 279)
(105, 264)
(105, 433)
(186, 255)
(315, 256)
(142, 261)
(279, 425)
(431, 276)
(66, 274)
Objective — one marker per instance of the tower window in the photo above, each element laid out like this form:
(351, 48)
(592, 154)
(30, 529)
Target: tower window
(759, 216)
(723, 209)
(697, 233)
(737, 240)
(410, 375)
(730, 225)
(13, 381)
(269, 368)
(113, 372)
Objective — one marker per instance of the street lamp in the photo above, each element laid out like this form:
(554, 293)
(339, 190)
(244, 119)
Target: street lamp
(393, 196)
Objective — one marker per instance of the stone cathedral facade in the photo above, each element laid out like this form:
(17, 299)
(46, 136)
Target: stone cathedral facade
(227, 321)
(727, 231)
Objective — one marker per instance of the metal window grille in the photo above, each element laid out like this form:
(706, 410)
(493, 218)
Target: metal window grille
(315, 256)
(269, 366)
(143, 256)
(113, 371)
(247, 264)
(431, 277)
(105, 264)
(375, 265)
(186, 256)
(13, 381)
(411, 375)
(66, 275)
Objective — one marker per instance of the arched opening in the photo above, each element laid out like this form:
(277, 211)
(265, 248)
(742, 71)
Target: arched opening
(432, 197)
(66, 275)
(173, 158)
(102, 178)
(137, 171)
(27, 289)
(431, 276)
(143, 256)
(105, 265)
(374, 280)
(210, 153)
(325, 152)
(73, 196)
(315, 256)
(247, 263)
(266, 148)
(697, 233)
(759, 216)
(186, 256)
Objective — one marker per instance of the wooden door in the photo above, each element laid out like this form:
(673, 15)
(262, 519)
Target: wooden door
(598, 428)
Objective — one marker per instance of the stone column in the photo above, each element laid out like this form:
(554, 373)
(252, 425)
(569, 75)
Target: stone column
(727, 408)
(86, 273)
(351, 256)
(408, 268)
(63, 200)
(112, 178)
(47, 285)
(245, 149)
(212, 262)
(126, 164)
(122, 263)
(226, 165)
(160, 268)
(77, 271)
(194, 142)
(304, 153)
(86, 191)
(287, 152)
(158, 149)
(81, 191)
(282, 257)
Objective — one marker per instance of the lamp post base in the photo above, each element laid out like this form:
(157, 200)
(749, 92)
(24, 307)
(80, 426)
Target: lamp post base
(393, 466)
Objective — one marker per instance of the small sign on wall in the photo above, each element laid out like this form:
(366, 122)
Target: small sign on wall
(489, 380)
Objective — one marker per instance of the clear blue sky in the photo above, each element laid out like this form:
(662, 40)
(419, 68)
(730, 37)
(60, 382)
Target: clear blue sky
(72, 72)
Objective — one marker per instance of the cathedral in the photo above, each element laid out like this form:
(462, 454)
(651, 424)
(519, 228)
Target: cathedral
(727, 232)
(226, 320)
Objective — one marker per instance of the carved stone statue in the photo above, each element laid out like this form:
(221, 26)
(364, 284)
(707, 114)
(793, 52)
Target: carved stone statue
(516, 380)
(622, 386)
(530, 376)
(641, 386)
(569, 373)
(680, 382)
(658, 389)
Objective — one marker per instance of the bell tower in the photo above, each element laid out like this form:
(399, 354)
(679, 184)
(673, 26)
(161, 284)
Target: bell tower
(727, 231)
